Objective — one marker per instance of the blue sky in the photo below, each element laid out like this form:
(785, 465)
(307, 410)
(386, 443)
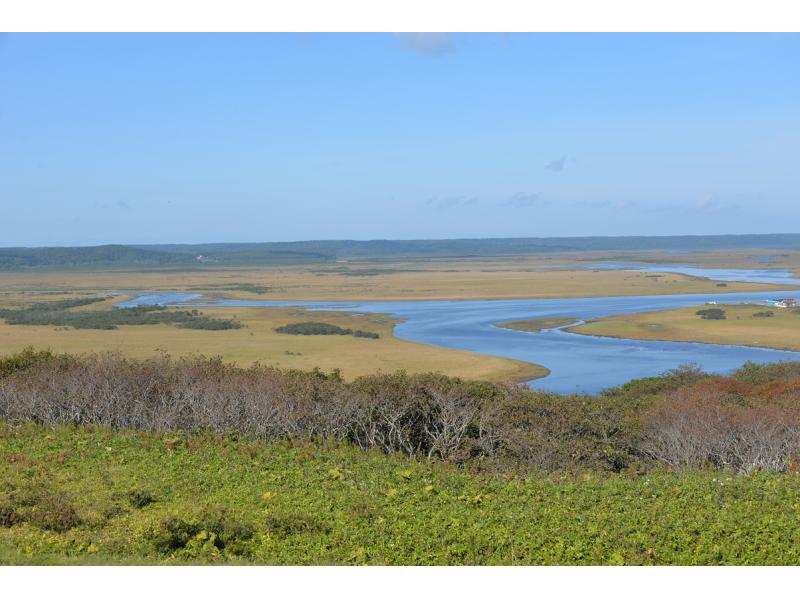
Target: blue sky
(198, 138)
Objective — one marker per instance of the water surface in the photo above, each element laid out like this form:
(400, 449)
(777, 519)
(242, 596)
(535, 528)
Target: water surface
(576, 362)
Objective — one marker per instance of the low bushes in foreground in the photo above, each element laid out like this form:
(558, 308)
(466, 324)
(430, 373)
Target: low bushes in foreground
(684, 419)
(92, 495)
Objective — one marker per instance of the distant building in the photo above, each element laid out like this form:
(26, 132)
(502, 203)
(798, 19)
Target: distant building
(785, 303)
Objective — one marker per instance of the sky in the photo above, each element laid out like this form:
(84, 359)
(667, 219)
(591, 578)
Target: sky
(190, 138)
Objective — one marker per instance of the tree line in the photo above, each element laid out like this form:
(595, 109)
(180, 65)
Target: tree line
(60, 313)
(323, 328)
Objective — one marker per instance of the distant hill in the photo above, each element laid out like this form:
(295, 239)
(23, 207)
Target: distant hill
(22, 258)
(310, 252)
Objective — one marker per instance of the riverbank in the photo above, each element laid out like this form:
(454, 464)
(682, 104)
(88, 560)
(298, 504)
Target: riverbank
(537, 324)
(257, 341)
(468, 280)
(741, 326)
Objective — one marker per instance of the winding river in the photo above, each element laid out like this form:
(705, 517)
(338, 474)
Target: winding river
(577, 363)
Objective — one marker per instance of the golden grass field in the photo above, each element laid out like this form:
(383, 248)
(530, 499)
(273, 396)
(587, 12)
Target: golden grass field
(782, 331)
(507, 278)
(257, 341)
(542, 276)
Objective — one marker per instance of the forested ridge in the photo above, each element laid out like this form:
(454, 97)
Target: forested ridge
(310, 252)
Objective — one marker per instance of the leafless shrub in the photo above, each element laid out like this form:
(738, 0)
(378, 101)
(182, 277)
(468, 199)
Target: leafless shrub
(687, 421)
(715, 424)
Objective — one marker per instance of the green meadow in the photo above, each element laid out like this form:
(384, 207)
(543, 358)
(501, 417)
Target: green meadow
(82, 495)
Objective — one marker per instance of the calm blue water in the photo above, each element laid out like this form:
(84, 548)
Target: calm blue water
(726, 275)
(577, 362)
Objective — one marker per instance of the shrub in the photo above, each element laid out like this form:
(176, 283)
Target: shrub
(284, 526)
(365, 334)
(214, 528)
(24, 360)
(763, 314)
(716, 424)
(684, 418)
(40, 506)
(322, 328)
(761, 374)
(140, 498)
(713, 313)
(173, 534)
(312, 328)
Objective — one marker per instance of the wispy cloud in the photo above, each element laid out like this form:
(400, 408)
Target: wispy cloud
(452, 202)
(521, 200)
(712, 204)
(706, 205)
(556, 165)
(119, 204)
(604, 204)
(426, 44)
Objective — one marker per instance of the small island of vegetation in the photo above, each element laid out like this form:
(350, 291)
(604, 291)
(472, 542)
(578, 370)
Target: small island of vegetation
(322, 328)
(712, 313)
(537, 324)
(62, 313)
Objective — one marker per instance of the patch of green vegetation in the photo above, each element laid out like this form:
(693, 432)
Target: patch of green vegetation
(712, 313)
(322, 328)
(764, 314)
(24, 360)
(60, 313)
(66, 499)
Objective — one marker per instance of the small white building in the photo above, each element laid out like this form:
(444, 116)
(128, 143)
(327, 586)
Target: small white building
(785, 303)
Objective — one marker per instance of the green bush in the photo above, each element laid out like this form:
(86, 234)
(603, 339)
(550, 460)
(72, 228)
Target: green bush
(712, 313)
(211, 531)
(755, 373)
(290, 524)
(322, 328)
(39, 505)
(140, 498)
(24, 360)
(365, 334)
